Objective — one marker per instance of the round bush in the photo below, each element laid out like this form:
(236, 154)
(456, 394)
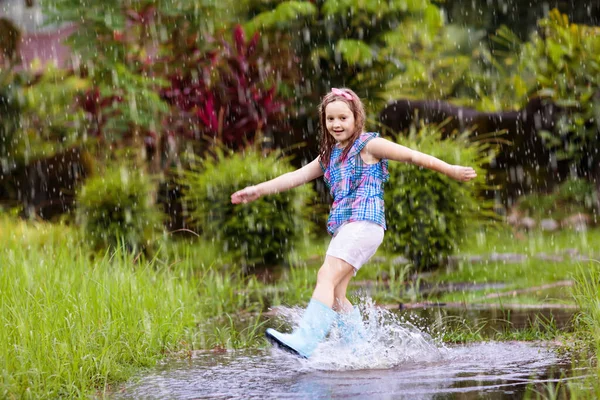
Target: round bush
(118, 207)
(261, 232)
(427, 212)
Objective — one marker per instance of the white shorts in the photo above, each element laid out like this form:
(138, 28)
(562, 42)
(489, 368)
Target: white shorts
(356, 242)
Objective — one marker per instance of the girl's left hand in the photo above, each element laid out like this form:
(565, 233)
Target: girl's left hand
(463, 174)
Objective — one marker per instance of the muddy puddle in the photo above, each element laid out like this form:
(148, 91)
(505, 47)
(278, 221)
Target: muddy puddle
(398, 360)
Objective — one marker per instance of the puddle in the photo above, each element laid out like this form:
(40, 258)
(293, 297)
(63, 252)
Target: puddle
(496, 370)
(396, 361)
(490, 321)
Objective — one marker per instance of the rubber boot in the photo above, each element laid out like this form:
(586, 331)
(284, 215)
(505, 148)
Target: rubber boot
(314, 326)
(351, 327)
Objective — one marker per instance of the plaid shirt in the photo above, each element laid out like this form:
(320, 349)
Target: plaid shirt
(356, 187)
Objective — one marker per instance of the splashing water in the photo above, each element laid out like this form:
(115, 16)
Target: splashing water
(395, 359)
(389, 341)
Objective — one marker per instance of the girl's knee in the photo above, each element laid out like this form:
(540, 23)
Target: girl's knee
(328, 274)
(324, 276)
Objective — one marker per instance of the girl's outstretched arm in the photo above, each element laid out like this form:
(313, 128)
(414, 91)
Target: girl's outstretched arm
(282, 183)
(382, 148)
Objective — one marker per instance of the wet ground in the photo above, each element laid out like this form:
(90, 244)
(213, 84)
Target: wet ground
(489, 370)
(396, 361)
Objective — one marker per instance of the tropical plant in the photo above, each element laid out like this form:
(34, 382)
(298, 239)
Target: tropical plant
(120, 44)
(436, 59)
(50, 122)
(565, 59)
(230, 94)
(340, 43)
(560, 64)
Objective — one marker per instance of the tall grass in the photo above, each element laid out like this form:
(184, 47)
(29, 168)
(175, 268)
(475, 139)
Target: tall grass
(73, 322)
(587, 295)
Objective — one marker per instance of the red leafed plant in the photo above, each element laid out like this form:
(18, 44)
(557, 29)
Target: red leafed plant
(229, 94)
(98, 109)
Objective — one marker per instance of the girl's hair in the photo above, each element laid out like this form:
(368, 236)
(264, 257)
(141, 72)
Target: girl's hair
(327, 142)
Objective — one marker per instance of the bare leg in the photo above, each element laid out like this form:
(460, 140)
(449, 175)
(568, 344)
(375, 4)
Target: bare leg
(341, 303)
(333, 272)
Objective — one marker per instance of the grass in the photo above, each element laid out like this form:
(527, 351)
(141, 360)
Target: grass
(459, 330)
(297, 282)
(72, 324)
(502, 239)
(587, 296)
(533, 271)
(75, 323)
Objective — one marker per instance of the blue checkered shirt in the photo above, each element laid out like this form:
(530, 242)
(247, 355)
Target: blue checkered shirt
(356, 187)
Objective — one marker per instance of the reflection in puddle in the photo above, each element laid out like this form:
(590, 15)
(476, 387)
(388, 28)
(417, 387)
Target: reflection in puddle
(397, 361)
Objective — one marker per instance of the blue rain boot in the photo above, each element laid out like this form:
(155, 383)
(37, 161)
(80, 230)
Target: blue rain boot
(314, 326)
(351, 327)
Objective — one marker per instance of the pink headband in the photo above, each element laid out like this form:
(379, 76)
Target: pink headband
(340, 92)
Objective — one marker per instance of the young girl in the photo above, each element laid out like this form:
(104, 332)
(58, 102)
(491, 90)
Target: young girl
(354, 166)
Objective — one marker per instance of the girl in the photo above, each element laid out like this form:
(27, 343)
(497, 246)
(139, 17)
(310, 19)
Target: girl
(354, 166)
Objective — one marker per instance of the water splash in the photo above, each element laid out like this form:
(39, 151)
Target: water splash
(389, 341)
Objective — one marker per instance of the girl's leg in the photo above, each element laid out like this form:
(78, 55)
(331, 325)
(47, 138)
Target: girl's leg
(349, 319)
(319, 315)
(333, 272)
(341, 303)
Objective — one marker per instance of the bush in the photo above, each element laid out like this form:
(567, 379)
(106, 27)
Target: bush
(427, 212)
(118, 207)
(571, 197)
(261, 232)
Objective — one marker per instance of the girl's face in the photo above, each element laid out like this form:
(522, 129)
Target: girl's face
(339, 121)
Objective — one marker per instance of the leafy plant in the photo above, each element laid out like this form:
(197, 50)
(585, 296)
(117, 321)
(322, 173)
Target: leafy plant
(261, 232)
(565, 59)
(117, 207)
(340, 43)
(428, 213)
(121, 43)
(560, 64)
(229, 94)
(435, 64)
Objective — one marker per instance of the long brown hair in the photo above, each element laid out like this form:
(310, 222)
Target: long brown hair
(327, 142)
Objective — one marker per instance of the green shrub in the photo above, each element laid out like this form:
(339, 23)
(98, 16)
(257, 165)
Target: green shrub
(118, 207)
(261, 232)
(571, 197)
(427, 212)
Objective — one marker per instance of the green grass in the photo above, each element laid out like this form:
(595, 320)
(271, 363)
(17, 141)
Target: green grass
(75, 323)
(72, 324)
(529, 273)
(502, 239)
(587, 295)
(460, 330)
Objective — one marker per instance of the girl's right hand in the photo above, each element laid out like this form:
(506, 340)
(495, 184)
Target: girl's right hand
(245, 195)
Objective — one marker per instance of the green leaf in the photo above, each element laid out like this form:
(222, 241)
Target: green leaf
(355, 51)
(283, 15)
